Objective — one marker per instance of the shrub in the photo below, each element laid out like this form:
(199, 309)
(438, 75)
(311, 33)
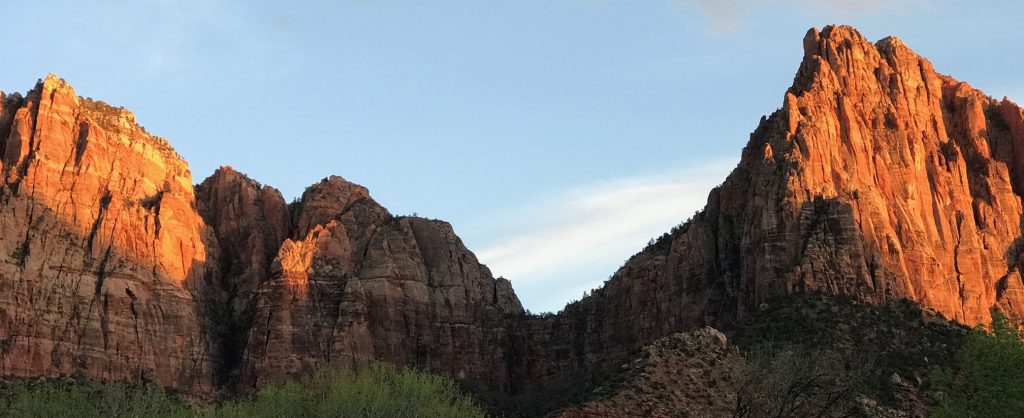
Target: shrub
(73, 400)
(379, 390)
(798, 382)
(376, 391)
(990, 378)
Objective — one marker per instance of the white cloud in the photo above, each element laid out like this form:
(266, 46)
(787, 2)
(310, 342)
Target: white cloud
(601, 224)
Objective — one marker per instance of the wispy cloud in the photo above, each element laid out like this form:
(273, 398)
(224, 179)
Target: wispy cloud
(595, 225)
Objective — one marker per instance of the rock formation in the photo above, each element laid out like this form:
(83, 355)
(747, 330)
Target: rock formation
(356, 284)
(101, 253)
(115, 267)
(879, 179)
(250, 222)
(692, 374)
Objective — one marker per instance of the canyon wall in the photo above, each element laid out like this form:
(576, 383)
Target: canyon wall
(878, 178)
(102, 257)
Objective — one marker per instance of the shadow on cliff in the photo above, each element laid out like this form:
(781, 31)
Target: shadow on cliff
(109, 320)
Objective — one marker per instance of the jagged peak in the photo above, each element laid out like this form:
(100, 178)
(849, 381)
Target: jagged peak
(98, 113)
(890, 42)
(325, 200)
(833, 53)
(53, 82)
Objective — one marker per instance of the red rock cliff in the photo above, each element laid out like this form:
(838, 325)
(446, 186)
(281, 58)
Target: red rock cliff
(102, 255)
(357, 284)
(879, 178)
(113, 266)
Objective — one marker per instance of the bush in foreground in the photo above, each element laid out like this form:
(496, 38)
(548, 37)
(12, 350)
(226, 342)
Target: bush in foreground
(990, 382)
(376, 391)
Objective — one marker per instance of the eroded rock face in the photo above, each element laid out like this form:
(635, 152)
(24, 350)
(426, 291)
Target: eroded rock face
(363, 285)
(116, 268)
(250, 222)
(102, 255)
(878, 178)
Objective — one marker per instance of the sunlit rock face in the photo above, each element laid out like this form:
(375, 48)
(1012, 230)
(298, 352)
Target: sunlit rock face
(878, 178)
(357, 284)
(114, 267)
(102, 255)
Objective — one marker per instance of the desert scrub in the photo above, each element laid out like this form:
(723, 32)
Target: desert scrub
(61, 398)
(378, 390)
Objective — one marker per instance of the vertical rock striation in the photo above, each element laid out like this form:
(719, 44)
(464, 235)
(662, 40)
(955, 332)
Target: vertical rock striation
(878, 178)
(101, 253)
(357, 284)
(250, 221)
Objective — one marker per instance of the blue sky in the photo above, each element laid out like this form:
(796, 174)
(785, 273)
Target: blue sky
(557, 136)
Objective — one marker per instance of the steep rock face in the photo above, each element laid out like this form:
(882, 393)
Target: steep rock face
(116, 268)
(878, 178)
(101, 251)
(250, 222)
(358, 284)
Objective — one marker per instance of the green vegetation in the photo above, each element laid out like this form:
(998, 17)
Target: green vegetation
(376, 391)
(70, 399)
(990, 378)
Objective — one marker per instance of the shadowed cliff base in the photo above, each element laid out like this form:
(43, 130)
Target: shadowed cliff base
(879, 359)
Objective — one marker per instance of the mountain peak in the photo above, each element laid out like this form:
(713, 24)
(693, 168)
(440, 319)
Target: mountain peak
(841, 59)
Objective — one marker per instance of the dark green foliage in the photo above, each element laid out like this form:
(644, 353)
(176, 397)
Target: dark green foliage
(74, 399)
(375, 391)
(990, 381)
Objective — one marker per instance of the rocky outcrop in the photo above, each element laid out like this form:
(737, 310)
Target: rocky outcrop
(250, 222)
(102, 256)
(691, 374)
(362, 285)
(863, 360)
(115, 267)
(878, 179)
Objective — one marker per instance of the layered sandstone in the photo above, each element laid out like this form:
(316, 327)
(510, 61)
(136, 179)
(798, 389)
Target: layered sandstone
(250, 221)
(879, 178)
(101, 253)
(115, 267)
(357, 284)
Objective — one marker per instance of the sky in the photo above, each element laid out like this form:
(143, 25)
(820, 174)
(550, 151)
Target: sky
(557, 136)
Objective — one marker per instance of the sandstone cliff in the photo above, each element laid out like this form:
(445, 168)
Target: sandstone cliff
(878, 178)
(115, 267)
(101, 253)
(356, 284)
